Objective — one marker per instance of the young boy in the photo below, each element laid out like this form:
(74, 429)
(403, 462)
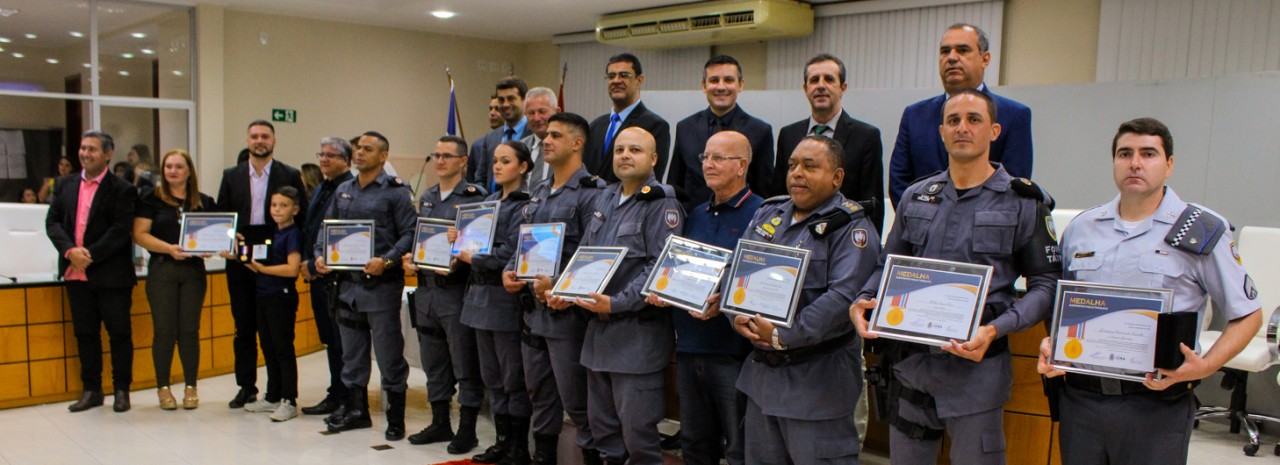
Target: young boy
(278, 307)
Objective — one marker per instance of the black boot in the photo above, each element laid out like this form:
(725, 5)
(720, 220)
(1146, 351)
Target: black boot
(465, 439)
(357, 414)
(395, 415)
(496, 452)
(591, 457)
(544, 449)
(439, 430)
(327, 406)
(88, 400)
(518, 453)
(340, 412)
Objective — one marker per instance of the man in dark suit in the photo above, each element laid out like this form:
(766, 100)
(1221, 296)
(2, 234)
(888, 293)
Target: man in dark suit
(625, 77)
(89, 222)
(246, 190)
(721, 81)
(962, 62)
(824, 86)
(510, 93)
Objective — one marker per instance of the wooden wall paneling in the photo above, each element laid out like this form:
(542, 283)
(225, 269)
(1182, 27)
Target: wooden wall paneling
(223, 357)
(1027, 438)
(140, 303)
(1027, 395)
(13, 344)
(46, 341)
(218, 288)
(48, 377)
(44, 304)
(1027, 343)
(223, 324)
(1055, 453)
(17, 381)
(13, 307)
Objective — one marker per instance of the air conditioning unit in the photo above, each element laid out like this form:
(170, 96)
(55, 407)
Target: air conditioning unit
(706, 23)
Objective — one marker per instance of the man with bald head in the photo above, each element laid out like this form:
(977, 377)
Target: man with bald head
(628, 341)
(708, 353)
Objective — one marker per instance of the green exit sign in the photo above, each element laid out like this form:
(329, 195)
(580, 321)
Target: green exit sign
(283, 115)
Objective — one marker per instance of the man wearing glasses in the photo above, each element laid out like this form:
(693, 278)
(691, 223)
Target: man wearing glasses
(625, 77)
(708, 354)
(721, 81)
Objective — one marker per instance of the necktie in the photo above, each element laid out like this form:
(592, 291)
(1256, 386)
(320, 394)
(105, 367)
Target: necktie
(820, 130)
(510, 135)
(536, 174)
(608, 135)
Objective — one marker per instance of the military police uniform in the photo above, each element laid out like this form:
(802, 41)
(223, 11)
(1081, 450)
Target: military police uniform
(627, 350)
(1183, 247)
(368, 307)
(802, 392)
(447, 347)
(1003, 223)
(552, 348)
(494, 315)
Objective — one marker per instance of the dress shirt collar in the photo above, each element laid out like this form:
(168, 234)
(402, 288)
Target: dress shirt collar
(733, 203)
(626, 112)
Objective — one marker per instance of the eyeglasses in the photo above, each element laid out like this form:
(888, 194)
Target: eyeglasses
(446, 155)
(715, 157)
(332, 156)
(623, 75)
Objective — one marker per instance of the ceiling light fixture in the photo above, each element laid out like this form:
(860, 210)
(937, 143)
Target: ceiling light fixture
(147, 51)
(443, 14)
(52, 61)
(7, 12)
(177, 73)
(30, 36)
(77, 34)
(127, 55)
(5, 40)
(18, 55)
(86, 65)
(138, 35)
(124, 73)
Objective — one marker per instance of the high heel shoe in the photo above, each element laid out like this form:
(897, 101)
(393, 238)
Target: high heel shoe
(167, 402)
(190, 398)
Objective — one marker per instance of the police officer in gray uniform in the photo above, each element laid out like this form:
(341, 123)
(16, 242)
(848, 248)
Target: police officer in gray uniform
(628, 341)
(552, 338)
(447, 347)
(974, 212)
(1106, 420)
(495, 314)
(803, 382)
(368, 305)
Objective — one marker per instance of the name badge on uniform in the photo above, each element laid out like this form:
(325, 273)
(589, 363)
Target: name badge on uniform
(345, 196)
(926, 198)
(765, 230)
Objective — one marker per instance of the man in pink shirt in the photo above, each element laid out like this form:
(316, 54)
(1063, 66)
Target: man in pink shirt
(89, 222)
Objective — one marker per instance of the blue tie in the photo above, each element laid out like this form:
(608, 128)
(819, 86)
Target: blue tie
(510, 135)
(608, 135)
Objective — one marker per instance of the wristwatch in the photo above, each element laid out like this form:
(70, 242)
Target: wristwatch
(777, 343)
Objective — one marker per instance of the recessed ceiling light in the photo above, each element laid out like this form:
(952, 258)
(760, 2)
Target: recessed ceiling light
(76, 34)
(30, 36)
(127, 55)
(147, 51)
(138, 35)
(124, 73)
(1, 49)
(177, 73)
(7, 12)
(443, 14)
(5, 40)
(18, 55)
(86, 65)
(52, 61)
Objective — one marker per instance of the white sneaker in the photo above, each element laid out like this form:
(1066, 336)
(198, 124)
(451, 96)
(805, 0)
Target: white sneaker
(261, 405)
(286, 411)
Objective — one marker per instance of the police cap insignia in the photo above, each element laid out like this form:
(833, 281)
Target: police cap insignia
(934, 188)
(820, 228)
(644, 190)
(1025, 181)
(860, 238)
(471, 188)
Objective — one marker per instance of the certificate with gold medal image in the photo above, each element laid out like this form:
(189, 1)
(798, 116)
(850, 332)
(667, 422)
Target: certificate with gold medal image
(765, 280)
(929, 301)
(540, 247)
(207, 232)
(1105, 330)
(588, 271)
(476, 224)
(431, 248)
(348, 244)
(687, 272)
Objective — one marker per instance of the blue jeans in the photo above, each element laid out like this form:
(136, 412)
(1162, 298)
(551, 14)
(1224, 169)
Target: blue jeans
(711, 408)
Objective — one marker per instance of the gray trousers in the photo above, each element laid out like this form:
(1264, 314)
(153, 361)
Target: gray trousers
(976, 439)
(502, 370)
(624, 411)
(1136, 429)
(557, 385)
(387, 342)
(176, 293)
(711, 408)
(448, 351)
(774, 440)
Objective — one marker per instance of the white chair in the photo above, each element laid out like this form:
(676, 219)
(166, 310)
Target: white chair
(1260, 250)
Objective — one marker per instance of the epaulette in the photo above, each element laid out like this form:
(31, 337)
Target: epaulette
(394, 181)
(836, 219)
(656, 192)
(518, 195)
(1026, 188)
(592, 182)
(1196, 231)
(472, 190)
(775, 199)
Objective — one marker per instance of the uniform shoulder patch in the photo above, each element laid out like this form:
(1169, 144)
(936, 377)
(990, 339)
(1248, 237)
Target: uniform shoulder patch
(592, 182)
(1031, 190)
(672, 218)
(776, 199)
(1196, 231)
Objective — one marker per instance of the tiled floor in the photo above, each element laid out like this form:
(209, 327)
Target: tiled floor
(216, 435)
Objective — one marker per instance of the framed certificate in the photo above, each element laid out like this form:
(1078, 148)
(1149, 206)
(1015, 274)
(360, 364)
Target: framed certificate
(207, 232)
(1106, 330)
(687, 273)
(588, 271)
(476, 225)
(348, 244)
(765, 279)
(929, 301)
(540, 247)
(431, 249)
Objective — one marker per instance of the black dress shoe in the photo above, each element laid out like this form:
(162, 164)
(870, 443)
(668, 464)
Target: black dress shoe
(88, 400)
(394, 432)
(121, 402)
(243, 397)
(325, 407)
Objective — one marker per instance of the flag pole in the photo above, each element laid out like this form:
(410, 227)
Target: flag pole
(457, 110)
(560, 96)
